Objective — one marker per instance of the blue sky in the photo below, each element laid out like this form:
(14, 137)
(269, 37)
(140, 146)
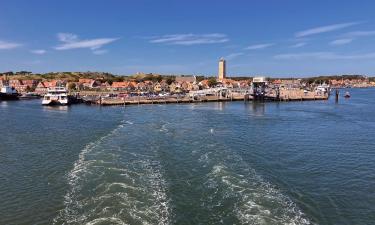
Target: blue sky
(268, 37)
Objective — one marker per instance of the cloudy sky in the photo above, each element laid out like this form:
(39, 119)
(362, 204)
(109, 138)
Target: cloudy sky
(269, 37)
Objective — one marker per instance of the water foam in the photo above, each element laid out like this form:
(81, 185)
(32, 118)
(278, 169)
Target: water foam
(75, 175)
(106, 220)
(102, 191)
(255, 200)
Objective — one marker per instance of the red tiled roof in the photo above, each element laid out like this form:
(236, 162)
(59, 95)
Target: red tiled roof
(85, 80)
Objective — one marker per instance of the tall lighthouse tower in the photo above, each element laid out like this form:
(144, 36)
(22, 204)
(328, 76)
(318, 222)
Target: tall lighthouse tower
(222, 69)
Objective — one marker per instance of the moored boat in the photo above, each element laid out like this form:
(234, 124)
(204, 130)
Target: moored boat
(347, 95)
(8, 93)
(56, 96)
(325, 88)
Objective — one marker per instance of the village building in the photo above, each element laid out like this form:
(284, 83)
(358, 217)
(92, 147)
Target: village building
(43, 86)
(189, 79)
(204, 84)
(120, 85)
(124, 85)
(23, 85)
(89, 83)
(164, 85)
(105, 86)
(141, 86)
(175, 87)
(157, 87)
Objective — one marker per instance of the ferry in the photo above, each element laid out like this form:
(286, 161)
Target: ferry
(56, 96)
(8, 93)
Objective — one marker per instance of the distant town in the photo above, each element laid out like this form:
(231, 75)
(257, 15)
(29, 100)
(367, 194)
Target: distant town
(24, 81)
(119, 87)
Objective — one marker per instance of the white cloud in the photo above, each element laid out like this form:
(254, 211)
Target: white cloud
(341, 41)
(360, 33)
(233, 55)
(9, 45)
(190, 39)
(324, 29)
(67, 37)
(324, 55)
(259, 46)
(71, 41)
(298, 45)
(38, 51)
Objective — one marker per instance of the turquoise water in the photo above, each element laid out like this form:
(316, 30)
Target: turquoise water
(212, 163)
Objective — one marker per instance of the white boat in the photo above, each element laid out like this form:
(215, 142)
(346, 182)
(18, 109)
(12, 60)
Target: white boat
(323, 88)
(56, 96)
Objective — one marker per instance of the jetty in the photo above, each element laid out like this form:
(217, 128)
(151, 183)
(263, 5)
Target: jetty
(208, 95)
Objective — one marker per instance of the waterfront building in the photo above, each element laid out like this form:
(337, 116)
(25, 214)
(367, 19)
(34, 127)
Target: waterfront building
(105, 86)
(41, 88)
(222, 70)
(164, 86)
(175, 87)
(141, 86)
(157, 87)
(85, 80)
(23, 85)
(124, 85)
(204, 84)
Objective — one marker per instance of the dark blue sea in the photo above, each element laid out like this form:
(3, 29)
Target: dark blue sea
(211, 163)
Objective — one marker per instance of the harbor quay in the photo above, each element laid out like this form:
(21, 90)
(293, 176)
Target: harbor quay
(208, 95)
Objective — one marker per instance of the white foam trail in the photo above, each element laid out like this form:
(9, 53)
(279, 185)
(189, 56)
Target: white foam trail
(256, 201)
(134, 191)
(108, 220)
(159, 192)
(255, 197)
(74, 176)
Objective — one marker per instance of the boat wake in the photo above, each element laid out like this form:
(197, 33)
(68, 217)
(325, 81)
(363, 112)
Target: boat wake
(252, 200)
(111, 184)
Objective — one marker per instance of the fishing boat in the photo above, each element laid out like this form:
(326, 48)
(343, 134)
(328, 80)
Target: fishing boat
(56, 96)
(347, 95)
(8, 93)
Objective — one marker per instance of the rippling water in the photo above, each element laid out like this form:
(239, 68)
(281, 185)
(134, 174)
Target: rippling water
(213, 163)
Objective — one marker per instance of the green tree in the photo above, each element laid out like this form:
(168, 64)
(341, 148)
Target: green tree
(72, 86)
(30, 89)
(170, 80)
(212, 82)
(199, 78)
